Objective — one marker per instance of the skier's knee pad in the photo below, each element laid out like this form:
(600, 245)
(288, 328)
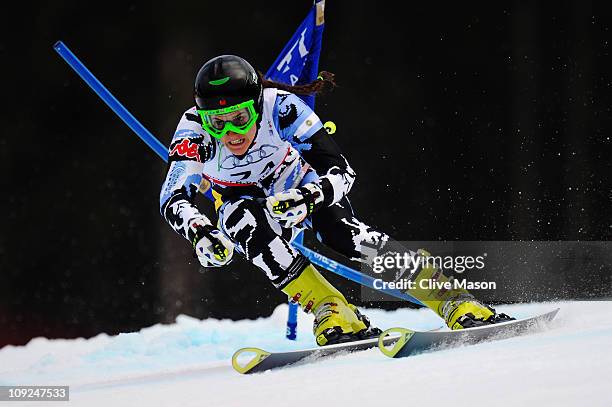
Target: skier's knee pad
(246, 221)
(239, 218)
(261, 240)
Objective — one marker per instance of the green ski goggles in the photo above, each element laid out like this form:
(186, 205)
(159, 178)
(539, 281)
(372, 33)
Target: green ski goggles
(217, 122)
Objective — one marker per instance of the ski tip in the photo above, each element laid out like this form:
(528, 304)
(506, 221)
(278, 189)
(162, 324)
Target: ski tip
(552, 314)
(245, 359)
(402, 336)
(544, 316)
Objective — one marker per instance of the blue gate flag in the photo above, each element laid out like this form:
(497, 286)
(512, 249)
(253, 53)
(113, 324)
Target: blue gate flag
(298, 62)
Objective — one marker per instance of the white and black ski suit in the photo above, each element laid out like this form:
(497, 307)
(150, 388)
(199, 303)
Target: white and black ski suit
(291, 148)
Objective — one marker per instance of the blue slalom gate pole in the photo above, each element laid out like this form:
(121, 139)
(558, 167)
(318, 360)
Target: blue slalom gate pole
(293, 306)
(292, 321)
(111, 101)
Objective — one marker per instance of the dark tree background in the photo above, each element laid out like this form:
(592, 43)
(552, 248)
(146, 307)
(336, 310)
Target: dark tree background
(463, 122)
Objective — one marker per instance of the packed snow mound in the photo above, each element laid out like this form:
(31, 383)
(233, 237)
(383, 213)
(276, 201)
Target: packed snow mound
(188, 363)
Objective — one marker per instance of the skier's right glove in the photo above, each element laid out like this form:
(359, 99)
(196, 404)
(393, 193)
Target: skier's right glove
(211, 246)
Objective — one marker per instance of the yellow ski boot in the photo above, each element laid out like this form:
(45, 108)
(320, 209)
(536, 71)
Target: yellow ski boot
(456, 306)
(336, 320)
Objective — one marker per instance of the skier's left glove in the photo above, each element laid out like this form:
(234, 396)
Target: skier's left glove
(211, 246)
(292, 206)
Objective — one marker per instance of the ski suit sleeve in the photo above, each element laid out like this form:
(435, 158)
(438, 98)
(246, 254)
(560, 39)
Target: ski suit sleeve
(190, 148)
(299, 125)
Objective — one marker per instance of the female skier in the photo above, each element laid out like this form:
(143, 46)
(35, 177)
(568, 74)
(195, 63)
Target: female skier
(274, 170)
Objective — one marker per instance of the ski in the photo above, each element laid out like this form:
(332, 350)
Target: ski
(255, 360)
(412, 342)
(394, 342)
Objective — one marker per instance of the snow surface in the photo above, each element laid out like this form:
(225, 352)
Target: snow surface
(188, 364)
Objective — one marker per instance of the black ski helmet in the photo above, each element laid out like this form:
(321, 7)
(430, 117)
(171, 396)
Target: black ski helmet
(225, 81)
